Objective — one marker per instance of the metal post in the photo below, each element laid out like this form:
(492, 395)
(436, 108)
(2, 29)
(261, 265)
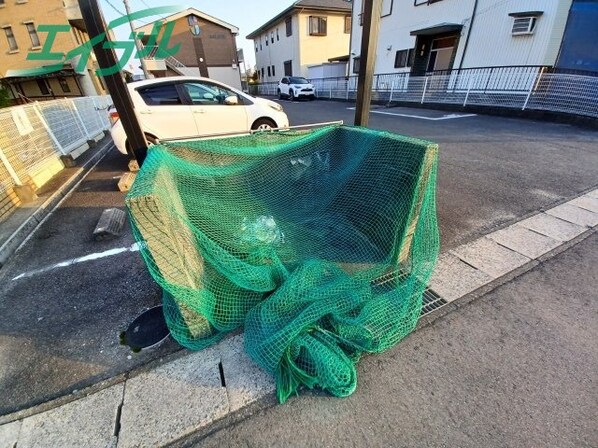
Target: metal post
(424, 92)
(94, 22)
(87, 133)
(529, 94)
(138, 45)
(9, 168)
(47, 127)
(367, 60)
(392, 88)
(468, 89)
(330, 90)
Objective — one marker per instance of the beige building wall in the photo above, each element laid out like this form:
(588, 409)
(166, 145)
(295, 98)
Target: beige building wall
(301, 48)
(318, 49)
(17, 15)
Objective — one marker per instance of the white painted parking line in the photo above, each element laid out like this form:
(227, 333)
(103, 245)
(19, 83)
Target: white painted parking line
(420, 117)
(108, 253)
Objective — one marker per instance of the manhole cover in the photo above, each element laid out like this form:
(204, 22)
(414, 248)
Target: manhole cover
(148, 329)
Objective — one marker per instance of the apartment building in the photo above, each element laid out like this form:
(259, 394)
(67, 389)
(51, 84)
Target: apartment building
(19, 21)
(207, 47)
(309, 32)
(422, 36)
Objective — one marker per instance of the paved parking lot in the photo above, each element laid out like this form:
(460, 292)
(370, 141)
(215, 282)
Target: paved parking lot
(60, 327)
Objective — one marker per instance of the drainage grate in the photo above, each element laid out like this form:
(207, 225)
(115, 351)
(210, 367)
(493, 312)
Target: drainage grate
(430, 301)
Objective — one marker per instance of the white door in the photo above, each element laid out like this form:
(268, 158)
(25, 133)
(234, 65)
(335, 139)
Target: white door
(163, 113)
(212, 115)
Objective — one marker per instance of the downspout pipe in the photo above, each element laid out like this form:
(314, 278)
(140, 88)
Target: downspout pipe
(475, 8)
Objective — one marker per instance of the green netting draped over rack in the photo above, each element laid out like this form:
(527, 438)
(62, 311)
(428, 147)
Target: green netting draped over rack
(318, 243)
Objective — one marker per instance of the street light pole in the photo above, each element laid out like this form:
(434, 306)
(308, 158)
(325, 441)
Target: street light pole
(138, 45)
(367, 60)
(94, 22)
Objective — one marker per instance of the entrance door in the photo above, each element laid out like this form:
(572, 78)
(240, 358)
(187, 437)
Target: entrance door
(441, 54)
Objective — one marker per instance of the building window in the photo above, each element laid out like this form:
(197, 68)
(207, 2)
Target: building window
(43, 86)
(266, 40)
(347, 24)
(523, 25)
(289, 24)
(277, 35)
(356, 65)
(261, 45)
(12, 42)
(273, 71)
(262, 72)
(64, 85)
(1, 3)
(404, 58)
(272, 36)
(269, 72)
(33, 35)
(256, 47)
(317, 26)
(288, 68)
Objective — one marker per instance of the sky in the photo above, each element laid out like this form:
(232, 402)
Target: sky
(247, 15)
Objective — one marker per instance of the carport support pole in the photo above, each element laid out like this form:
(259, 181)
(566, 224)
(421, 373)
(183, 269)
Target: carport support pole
(367, 60)
(94, 21)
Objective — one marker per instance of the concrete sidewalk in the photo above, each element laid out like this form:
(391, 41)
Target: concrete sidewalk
(191, 395)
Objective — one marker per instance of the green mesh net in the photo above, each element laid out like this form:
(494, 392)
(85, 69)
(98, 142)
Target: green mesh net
(318, 243)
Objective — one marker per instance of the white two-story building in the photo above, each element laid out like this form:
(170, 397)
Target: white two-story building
(422, 36)
(309, 32)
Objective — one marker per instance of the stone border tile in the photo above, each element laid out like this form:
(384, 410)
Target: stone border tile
(89, 421)
(553, 227)
(489, 257)
(574, 214)
(453, 279)
(9, 434)
(245, 381)
(173, 400)
(524, 241)
(586, 202)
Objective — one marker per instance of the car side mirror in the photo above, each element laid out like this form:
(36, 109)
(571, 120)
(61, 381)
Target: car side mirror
(231, 100)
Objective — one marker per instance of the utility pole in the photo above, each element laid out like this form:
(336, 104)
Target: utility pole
(367, 60)
(94, 22)
(138, 44)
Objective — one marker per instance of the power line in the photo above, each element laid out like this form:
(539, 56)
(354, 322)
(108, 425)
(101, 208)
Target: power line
(115, 8)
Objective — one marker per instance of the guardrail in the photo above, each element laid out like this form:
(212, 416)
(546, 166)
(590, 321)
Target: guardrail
(34, 136)
(523, 88)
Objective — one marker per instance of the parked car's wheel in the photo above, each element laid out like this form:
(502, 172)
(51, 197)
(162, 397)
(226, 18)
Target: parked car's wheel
(263, 124)
(291, 95)
(279, 94)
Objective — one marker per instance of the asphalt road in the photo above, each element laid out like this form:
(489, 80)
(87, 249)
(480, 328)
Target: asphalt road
(492, 170)
(515, 368)
(59, 328)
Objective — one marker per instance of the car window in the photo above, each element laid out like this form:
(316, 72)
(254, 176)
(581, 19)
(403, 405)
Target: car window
(295, 80)
(160, 95)
(208, 94)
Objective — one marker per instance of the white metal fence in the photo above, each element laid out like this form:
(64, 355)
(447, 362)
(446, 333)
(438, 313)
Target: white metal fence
(34, 136)
(523, 88)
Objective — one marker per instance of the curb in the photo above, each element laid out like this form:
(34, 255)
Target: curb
(19, 236)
